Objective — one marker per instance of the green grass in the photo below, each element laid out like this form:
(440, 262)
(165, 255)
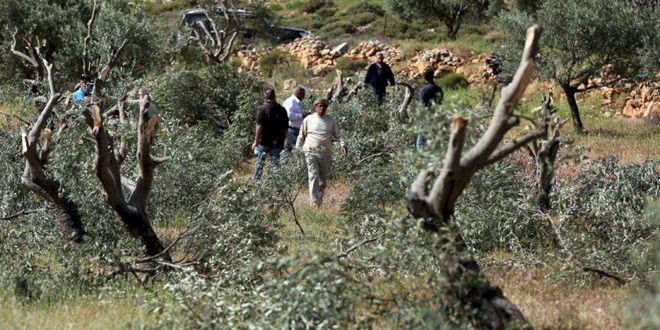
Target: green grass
(87, 313)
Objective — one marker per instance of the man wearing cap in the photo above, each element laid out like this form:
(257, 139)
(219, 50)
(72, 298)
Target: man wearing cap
(270, 132)
(378, 76)
(315, 139)
(296, 114)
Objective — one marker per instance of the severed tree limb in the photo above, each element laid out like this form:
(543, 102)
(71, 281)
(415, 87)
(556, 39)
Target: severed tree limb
(345, 254)
(34, 177)
(86, 65)
(617, 278)
(33, 61)
(403, 108)
(338, 87)
(354, 91)
(514, 145)
(131, 212)
(459, 168)
(20, 213)
(488, 303)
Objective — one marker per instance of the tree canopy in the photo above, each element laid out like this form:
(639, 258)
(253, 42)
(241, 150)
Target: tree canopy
(582, 37)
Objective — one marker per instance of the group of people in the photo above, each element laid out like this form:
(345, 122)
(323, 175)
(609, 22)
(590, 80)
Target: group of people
(282, 128)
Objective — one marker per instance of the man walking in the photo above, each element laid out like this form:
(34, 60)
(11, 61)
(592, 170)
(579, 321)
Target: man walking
(296, 115)
(430, 92)
(270, 132)
(378, 76)
(315, 139)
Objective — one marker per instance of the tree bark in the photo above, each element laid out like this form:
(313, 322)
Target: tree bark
(66, 210)
(131, 211)
(575, 112)
(545, 167)
(472, 290)
(470, 287)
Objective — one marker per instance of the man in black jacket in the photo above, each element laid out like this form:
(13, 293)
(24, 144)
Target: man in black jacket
(378, 76)
(270, 132)
(429, 93)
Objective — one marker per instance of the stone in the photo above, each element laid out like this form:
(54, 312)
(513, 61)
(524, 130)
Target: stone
(289, 84)
(341, 49)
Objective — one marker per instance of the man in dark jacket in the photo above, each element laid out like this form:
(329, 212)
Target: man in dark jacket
(270, 132)
(378, 76)
(430, 92)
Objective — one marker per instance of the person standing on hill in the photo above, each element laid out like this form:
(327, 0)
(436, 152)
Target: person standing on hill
(429, 93)
(378, 76)
(270, 132)
(293, 106)
(315, 139)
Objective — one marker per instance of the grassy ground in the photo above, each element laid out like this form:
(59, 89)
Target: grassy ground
(81, 314)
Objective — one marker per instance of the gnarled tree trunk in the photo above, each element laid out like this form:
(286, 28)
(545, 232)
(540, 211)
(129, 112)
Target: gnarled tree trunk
(35, 178)
(131, 211)
(575, 111)
(494, 311)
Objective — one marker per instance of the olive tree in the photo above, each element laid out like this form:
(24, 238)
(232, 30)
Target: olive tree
(112, 36)
(450, 12)
(585, 37)
(437, 205)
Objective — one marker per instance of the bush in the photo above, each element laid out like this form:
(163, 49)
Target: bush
(214, 96)
(312, 6)
(361, 19)
(337, 28)
(365, 7)
(453, 81)
(349, 66)
(269, 62)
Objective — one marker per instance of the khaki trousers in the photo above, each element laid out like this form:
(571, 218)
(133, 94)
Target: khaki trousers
(318, 172)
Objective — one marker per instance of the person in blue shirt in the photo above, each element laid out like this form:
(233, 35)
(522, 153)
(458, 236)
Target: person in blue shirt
(429, 93)
(84, 89)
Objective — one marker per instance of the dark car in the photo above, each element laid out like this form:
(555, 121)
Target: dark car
(194, 17)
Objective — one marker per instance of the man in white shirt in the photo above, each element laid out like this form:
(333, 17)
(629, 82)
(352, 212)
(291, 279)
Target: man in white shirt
(296, 114)
(315, 139)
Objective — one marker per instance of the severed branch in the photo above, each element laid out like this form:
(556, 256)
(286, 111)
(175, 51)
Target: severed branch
(354, 91)
(338, 87)
(20, 213)
(459, 168)
(617, 278)
(34, 177)
(132, 212)
(86, 66)
(221, 42)
(403, 108)
(345, 254)
(30, 59)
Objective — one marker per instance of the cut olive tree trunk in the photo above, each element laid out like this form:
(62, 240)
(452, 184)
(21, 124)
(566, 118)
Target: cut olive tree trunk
(35, 177)
(131, 210)
(544, 153)
(493, 310)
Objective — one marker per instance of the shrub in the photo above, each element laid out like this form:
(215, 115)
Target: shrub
(337, 28)
(349, 67)
(365, 7)
(362, 18)
(312, 6)
(453, 81)
(269, 62)
(214, 96)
